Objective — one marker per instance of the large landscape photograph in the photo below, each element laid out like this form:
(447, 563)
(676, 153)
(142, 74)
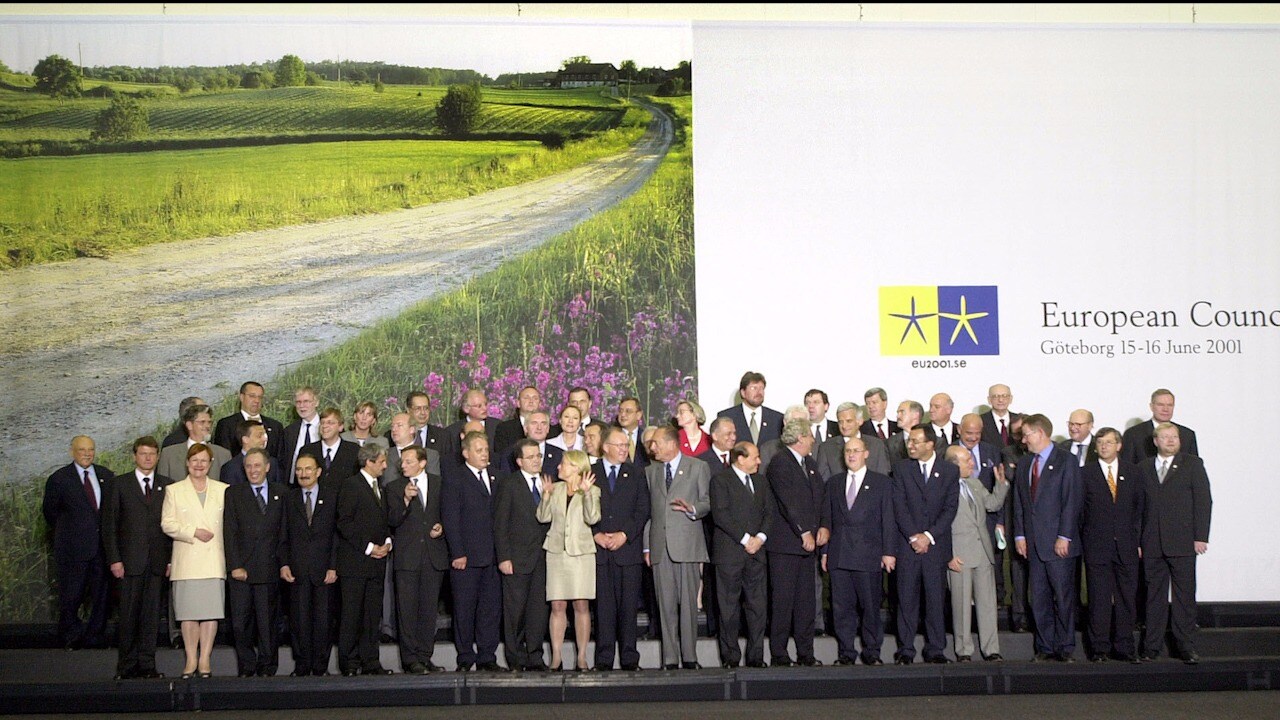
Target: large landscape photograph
(366, 208)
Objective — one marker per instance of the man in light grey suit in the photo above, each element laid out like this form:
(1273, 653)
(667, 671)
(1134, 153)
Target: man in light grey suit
(680, 496)
(830, 454)
(971, 573)
(198, 422)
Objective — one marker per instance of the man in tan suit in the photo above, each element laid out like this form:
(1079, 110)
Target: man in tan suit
(680, 496)
(971, 573)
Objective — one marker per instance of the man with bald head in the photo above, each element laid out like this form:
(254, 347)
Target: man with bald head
(940, 408)
(1080, 441)
(72, 507)
(972, 568)
(475, 408)
(515, 428)
(910, 414)
(997, 423)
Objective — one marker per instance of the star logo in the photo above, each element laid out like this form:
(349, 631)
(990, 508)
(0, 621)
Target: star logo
(939, 320)
(913, 321)
(963, 319)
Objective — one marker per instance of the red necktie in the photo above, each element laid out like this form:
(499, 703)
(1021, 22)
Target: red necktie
(1035, 478)
(88, 491)
(880, 431)
(1004, 432)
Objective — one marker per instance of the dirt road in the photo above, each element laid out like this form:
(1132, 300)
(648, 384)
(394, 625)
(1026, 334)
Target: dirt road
(109, 347)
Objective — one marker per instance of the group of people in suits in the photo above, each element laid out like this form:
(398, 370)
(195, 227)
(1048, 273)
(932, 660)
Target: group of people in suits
(740, 521)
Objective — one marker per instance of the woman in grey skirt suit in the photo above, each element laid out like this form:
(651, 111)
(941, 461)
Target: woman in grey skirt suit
(572, 507)
(192, 516)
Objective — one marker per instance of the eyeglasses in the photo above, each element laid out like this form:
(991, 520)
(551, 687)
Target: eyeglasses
(1002, 396)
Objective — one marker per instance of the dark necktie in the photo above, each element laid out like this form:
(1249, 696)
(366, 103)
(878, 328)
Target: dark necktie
(924, 472)
(88, 491)
(1035, 478)
(668, 469)
(146, 491)
(880, 431)
(613, 478)
(1004, 432)
(537, 494)
(482, 482)
(262, 499)
(1080, 453)
(817, 434)
(724, 459)
(306, 433)
(751, 488)
(307, 504)
(377, 492)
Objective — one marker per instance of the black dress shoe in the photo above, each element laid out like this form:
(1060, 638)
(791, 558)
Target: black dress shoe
(244, 674)
(300, 673)
(1098, 658)
(670, 666)
(995, 657)
(809, 662)
(351, 672)
(938, 660)
(757, 664)
(1150, 656)
(903, 660)
(377, 670)
(1021, 627)
(1124, 657)
(1191, 657)
(963, 658)
(604, 668)
(781, 662)
(434, 668)
(320, 673)
(690, 666)
(463, 667)
(415, 668)
(149, 675)
(1042, 657)
(125, 676)
(492, 667)
(843, 661)
(1066, 658)
(872, 661)
(631, 667)
(266, 673)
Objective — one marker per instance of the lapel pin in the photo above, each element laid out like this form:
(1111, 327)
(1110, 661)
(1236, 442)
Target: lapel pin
(1049, 467)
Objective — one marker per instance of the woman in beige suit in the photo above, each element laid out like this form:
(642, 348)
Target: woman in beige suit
(571, 506)
(192, 515)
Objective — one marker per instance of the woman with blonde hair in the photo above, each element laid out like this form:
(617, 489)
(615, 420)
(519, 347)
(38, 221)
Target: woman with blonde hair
(192, 516)
(570, 421)
(572, 507)
(363, 421)
(689, 418)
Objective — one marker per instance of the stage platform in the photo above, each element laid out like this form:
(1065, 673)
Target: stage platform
(58, 681)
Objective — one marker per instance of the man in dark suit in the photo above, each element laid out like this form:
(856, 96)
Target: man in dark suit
(251, 394)
(630, 417)
(910, 414)
(863, 539)
(402, 434)
(1175, 529)
(997, 423)
(830, 454)
(751, 418)
(364, 543)
(512, 430)
(1111, 528)
(1019, 606)
(72, 503)
(1139, 440)
(817, 405)
(467, 510)
(723, 437)
(518, 540)
(338, 458)
(580, 398)
(252, 435)
(624, 512)
(986, 458)
(301, 432)
(421, 557)
(1046, 529)
(475, 408)
(536, 426)
(796, 531)
(428, 436)
(137, 552)
(179, 432)
(741, 509)
(925, 499)
(253, 520)
(1080, 440)
(940, 408)
(309, 563)
(876, 424)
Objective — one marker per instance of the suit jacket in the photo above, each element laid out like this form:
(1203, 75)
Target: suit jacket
(991, 430)
(626, 509)
(896, 446)
(173, 460)
(770, 422)
(411, 526)
(1110, 527)
(233, 471)
(1139, 442)
(830, 456)
(863, 534)
(310, 549)
(952, 430)
(507, 433)
(131, 532)
(1090, 453)
(926, 507)
(519, 532)
(77, 525)
(467, 509)
(642, 455)
(253, 536)
(671, 532)
(224, 433)
(1177, 511)
(177, 435)
(393, 465)
(289, 441)
(736, 511)
(1057, 507)
(868, 429)
(180, 517)
(453, 443)
(970, 537)
(362, 519)
(346, 461)
(988, 457)
(798, 494)
(551, 457)
(570, 519)
(714, 464)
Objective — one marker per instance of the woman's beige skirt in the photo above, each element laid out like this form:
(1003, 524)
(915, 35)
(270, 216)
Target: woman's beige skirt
(571, 577)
